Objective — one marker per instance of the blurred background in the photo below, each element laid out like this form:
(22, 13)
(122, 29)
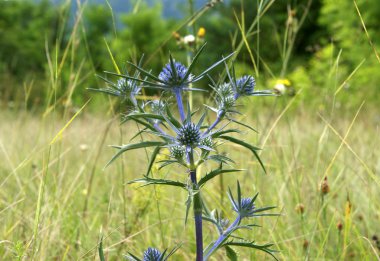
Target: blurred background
(58, 46)
(320, 57)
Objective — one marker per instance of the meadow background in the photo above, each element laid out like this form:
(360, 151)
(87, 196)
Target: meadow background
(56, 198)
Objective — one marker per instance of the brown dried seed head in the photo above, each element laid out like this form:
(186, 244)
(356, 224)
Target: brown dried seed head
(305, 244)
(300, 208)
(325, 188)
(339, 225)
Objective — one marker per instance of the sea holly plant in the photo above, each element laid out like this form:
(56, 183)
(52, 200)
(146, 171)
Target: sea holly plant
(169, 124)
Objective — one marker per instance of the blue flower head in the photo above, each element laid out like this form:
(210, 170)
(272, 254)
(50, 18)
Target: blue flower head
(189, 135)
(175, 75)
(246, 208)
(245, 86)
(152, 254)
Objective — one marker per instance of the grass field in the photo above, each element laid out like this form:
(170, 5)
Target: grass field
(56, 201)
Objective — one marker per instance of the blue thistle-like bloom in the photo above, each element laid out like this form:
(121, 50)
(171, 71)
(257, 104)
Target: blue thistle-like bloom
(175, 77)
(189, 135)
(246, 207)
(152, 254)
(245, 86)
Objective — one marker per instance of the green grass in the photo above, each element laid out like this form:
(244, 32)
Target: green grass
(44, 188)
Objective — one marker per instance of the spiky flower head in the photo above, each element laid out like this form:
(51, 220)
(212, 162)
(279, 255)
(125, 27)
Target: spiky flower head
(225, 89)
(207, 142)
(246, 208)
(174, 75)
(177, 152)
(189, 135)
(152, 254)
(157, 106)
(127, 87)
(227, 102)
(245, 85)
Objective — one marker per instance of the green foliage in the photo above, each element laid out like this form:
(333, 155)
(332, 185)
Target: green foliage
(25, 29)
(143, 32)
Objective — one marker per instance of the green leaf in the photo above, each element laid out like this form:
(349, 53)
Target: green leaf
(188, 204)
(140, 145)
(101, 253)
(200, 122)
(215, 173)
(145, 73)
(195, 58)
(248, 146)
(189, 114)
(146, 181)
(231, 254)
(132, 257)
(220, 158)
(167, 163)
(172, 119)
(245, 125)
(152, 159)
(265, 248)
(142, 116)
(222, 132)
(108, 91)
(172, 66)
(146, 124)
(264, 209)
(212, 67)
(150, 84)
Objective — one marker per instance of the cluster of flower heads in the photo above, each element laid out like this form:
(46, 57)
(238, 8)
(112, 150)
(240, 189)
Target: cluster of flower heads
(228, 93)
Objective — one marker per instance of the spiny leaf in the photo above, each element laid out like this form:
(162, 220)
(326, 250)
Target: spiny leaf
(246, 145)
(172, 119)
(242, 124)
(152, 159)
(191, 66)
(212, 67)
(265, 248)
(140, 145)
(231, 254)
(222, 132)
(142, 116)
(215, 173)
(220, 158)
(146, 181)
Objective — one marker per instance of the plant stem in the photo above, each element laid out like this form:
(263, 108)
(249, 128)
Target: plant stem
(197, 207)
(216, 122)
(178, 97)
(222, 237)
(197, 216)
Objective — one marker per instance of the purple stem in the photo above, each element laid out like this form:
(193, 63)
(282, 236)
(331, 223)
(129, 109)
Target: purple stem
(197, 207)
(178, 97)
(216, 122)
